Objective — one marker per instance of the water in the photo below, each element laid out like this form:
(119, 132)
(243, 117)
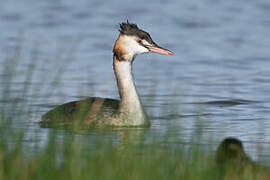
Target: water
(216, 85)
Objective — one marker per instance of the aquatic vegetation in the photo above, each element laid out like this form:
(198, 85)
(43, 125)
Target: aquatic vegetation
(105, 161)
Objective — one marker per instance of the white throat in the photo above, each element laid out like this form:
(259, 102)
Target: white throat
(130, 101)
(127, 89)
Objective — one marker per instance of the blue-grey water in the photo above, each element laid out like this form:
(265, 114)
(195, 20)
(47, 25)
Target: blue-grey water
(216, 85)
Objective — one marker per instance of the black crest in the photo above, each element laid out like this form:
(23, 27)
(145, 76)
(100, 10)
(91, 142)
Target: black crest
(133, 30)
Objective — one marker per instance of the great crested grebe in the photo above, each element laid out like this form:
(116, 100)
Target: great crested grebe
(128, 111)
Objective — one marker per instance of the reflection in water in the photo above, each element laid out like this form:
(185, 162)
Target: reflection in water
(122, 137)
(131, 137)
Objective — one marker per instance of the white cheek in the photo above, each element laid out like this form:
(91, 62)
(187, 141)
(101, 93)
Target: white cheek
(146, 43)
(134, 48)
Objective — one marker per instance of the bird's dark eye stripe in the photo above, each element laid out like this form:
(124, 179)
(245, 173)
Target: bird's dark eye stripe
(141, 43)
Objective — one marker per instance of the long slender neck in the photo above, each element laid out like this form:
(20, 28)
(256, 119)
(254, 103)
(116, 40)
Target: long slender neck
(127, 90)
(131, 111)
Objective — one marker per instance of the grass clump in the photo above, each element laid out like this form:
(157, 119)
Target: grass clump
(104, 161)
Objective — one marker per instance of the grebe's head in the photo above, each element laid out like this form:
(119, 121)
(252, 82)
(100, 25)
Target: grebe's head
(133, 41)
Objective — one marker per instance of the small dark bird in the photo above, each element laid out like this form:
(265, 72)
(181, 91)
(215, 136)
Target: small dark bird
(234, 164)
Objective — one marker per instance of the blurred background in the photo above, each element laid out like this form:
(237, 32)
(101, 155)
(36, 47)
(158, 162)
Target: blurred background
(216, 85)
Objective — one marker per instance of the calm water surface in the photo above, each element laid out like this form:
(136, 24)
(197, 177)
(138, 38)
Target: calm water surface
(216, 85)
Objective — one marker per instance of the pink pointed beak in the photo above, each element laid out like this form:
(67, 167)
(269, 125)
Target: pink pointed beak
(159, 50)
